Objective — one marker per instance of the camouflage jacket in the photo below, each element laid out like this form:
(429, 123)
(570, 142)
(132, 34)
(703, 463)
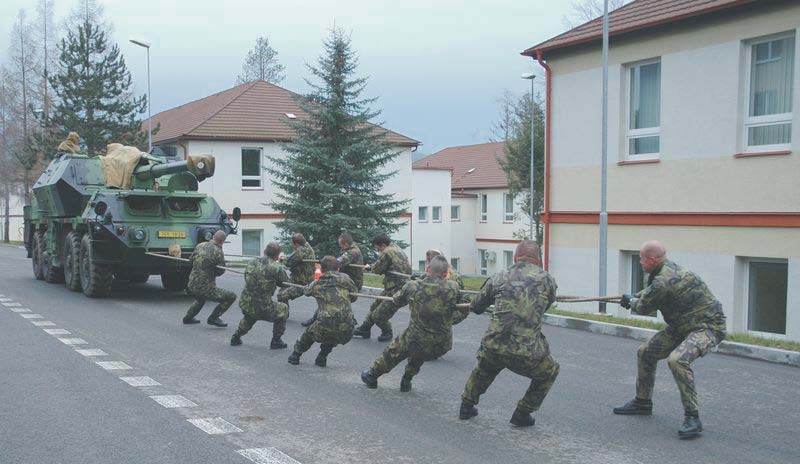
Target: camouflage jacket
(261, 276)
(352, 255)
(204, 261)
(332, 292)
(453, 275)
(392, 259)
(521, 294)
(302, 272)
(432, 302)
(683, 298)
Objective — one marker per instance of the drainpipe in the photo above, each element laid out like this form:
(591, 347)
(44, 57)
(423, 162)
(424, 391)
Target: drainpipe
(547, 111)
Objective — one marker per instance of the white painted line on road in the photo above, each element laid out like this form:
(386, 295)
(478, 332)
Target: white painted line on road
(57, 331)
(11, 305)
(92, 352)
(31, 316)
(20, 310)
(140, 381)
(43, 323)
(173, 401)
(73, 341)
(267, 456)
(214, 425)
(113, 365)
(5, 300)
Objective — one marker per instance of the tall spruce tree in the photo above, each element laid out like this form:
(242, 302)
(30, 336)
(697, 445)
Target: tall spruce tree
(331, 178)
(93, 92)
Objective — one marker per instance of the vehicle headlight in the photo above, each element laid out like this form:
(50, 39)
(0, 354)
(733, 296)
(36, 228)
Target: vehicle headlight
(208, 235)
(139, 234)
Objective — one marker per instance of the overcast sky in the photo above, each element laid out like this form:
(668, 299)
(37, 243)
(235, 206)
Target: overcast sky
(437, 66)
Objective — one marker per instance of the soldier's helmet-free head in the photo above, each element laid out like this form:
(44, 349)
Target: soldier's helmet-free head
(651, 254)
(273, 250)
(429, 255)
(438, 266)
(345, 240)
(219, 237)
(298, 239)
(528, 251)
(328, 263)
(381, 241)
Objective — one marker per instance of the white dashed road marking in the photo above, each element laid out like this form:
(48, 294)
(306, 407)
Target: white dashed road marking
(20, 310)
(214, 425)
(57, 331)
(11, 305)
(173, 401)
(31, 316)
(140, 381)
(5, 300)
(113, 365)
(267, 456)
(43, 323)
(73, 341)
(92, 352)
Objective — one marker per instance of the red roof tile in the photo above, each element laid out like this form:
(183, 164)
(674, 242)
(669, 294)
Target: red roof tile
(473, 166)
(637, 15)
(252, 111)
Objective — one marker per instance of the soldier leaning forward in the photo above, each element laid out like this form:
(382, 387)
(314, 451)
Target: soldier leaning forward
(452, 275)
(301, 264)
(695, 324)
(521, 295)
(333, 321)
(202, 281)
(392, 260)
(429, 334)
(261, 277)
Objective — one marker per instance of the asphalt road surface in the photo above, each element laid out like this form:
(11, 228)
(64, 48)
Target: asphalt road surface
(121, 380)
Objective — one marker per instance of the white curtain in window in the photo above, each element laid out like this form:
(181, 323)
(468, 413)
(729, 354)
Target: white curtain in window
(771, 82)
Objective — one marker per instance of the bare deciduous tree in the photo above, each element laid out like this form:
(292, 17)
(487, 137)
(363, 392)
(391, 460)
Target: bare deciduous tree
(587, 10)
(261, 63)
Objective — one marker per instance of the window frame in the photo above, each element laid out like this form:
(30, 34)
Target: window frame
(746, 285)
(260, 176)
(508, 258)
(433, 213)
(508, 217)
(629, 133)
(422, 214)
(483, 262)
(455, 217)
(421, 265)
(770, 119)
(260, 241)
(483, 200)
(456, 263)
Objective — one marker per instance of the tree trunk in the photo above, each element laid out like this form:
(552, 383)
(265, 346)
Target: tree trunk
(7, 213)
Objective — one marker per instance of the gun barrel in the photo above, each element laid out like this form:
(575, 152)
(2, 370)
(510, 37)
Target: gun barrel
(152, 171)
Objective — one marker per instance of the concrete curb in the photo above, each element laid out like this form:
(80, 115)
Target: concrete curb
(773, 355)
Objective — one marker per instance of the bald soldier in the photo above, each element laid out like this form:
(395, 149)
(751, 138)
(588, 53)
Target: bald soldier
(203, 281)
(695, 324)
(521, 294)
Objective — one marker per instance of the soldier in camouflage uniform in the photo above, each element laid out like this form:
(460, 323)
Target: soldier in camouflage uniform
(302, 267)
(261, 277)
(452, 275)
(202, 281)
(429, 334)
(521, 295)
(392, 259)
(695, 324)
(333, 322)
(351, 254)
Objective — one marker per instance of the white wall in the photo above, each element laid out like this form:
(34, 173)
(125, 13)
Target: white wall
(15, 232)
(462, 235)
(430, 188)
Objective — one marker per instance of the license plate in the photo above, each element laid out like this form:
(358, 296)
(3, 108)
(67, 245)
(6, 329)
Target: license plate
(171, 234)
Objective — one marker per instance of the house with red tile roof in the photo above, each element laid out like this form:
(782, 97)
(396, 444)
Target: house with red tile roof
(703, 152)
(242, 127)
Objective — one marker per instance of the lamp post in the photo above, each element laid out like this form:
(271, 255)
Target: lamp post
(146, 46)
(603, 248)
(531, 78)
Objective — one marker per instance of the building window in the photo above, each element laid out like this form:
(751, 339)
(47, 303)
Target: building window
(455, 262)
(423, 214)
(644, 110)
(251, 242)
(768, 125)
(436, 213)
(483, 260)
(455, 213)
(767, 291)
(251, 168)
(484, 207)
(421, 265)
(638, 276)
(508, 258)
(508, 207)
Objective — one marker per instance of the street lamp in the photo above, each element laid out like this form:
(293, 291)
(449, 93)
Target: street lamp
(531, 78)
(146, 45)
(603, 219)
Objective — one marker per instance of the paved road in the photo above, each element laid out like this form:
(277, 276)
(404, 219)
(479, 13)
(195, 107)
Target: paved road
(60, 406)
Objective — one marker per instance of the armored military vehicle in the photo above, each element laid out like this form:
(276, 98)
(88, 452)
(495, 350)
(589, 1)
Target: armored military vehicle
(94, 219)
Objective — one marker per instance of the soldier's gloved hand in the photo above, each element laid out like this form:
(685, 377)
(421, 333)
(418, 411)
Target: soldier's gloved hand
(367, 267)
(417, 275)
(625, 302)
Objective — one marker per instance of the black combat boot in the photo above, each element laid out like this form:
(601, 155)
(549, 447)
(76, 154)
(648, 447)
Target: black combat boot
(635, 407)
(370, 378)
(363, 331)
(277, 343)
(691, 426)
(405, 383)
(467, 411)
(190, 320)
(236, 340)
(294, 358)
(386, 336)
(217, 322)
(522, 419)
(322, 357)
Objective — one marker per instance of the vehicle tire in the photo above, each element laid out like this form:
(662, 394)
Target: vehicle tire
(37, 255)
(174, 281)
(95, 278)
(71, 261)
(138, 278)
(51, 273)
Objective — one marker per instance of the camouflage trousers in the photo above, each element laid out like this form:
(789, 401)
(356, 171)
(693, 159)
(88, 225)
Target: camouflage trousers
(542, 372)
(277, 314)
(402, 348)
(380, 312)
(288, 294)
(225, 298)
(680, 352)
(458, 316)
(328, 333)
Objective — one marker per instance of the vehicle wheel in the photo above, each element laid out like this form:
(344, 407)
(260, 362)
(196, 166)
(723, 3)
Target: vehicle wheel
(174, 281)
(37, 256)
(95, 278)
(51, 273)
(139, 278)
(72, 268)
